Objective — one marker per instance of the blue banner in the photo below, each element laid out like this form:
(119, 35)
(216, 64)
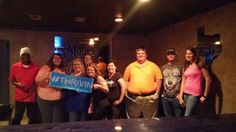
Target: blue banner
(80, 84)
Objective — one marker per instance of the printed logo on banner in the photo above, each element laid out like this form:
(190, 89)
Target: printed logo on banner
(80, 84)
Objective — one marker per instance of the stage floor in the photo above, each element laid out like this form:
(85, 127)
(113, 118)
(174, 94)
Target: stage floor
(221, 123)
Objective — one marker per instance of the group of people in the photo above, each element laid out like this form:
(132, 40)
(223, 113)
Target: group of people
(134, 94)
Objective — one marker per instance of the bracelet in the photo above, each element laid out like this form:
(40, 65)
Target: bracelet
(204, 96)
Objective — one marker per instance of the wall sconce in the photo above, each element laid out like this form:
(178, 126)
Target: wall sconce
(96, 38)
(118, 19)
(91, 41)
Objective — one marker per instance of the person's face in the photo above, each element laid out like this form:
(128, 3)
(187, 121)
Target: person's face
(57, 60)
(25, 57)
(77, 66)
(171, 57)
(111, 68)
(141, 55)
(90, 71)
(189, 55)
(87, 59)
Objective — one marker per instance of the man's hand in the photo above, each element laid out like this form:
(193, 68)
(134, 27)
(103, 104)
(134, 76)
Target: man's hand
(203, 99)
(19, 84)
(181, 102)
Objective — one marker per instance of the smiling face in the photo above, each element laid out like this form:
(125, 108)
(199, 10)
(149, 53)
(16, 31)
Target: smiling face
(91, 72)
(141, 56)
(57, 60)
(77, 66)
(189, 56)
(111, 68)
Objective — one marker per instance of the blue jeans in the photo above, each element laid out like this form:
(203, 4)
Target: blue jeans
(171, 106)
(191, 103)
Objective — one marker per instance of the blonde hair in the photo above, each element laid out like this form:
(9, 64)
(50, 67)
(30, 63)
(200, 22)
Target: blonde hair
(82, 65)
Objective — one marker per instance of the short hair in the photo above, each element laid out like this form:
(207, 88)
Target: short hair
(142, 49)
(171, 51)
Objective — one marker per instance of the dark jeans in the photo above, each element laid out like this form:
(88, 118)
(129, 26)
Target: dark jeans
(51, 111)
(171, 106)
(113, 112)
(100, 109)
(78, 116)
(191, 103)
(20, 108)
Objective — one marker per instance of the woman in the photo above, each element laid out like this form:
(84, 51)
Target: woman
(76, 103)
(99, 102)
(50, 99)
(191, 86)
(117, 87)
(87, 60)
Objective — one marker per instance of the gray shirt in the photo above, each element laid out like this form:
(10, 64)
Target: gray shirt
(172, 79)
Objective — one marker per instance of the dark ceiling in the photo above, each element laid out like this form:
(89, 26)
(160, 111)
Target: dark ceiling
(59, 15)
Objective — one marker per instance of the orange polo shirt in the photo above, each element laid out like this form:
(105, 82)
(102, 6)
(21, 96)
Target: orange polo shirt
(142, 79)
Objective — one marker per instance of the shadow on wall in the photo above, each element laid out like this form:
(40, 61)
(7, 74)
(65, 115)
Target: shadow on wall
(210, 47)
(213, 105)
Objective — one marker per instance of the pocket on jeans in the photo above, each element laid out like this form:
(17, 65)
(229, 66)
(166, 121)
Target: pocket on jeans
(129, 98)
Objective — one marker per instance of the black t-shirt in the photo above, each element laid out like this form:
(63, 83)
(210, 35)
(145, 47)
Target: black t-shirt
(97, 94)
(114, 87)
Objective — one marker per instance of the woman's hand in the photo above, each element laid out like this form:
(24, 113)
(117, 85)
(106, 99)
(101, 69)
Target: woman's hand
(90, 110)
(19, 84)
(117, 102)
(95, 86)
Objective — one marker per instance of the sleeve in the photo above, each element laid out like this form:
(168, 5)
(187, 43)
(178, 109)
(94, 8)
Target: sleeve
(118, 76)
(157, 72)
(12, 75)
(127, 73)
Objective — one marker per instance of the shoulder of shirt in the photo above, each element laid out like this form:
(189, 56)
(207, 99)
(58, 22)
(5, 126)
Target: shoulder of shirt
(132, 64)
(17, 64)
(35, 65)
(165, 65)
(118, 74)
(152, 63)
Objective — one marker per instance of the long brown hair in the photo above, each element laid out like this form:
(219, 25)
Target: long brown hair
(52, 65)
(199, 61)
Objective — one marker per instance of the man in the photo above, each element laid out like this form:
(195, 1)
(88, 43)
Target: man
(172, 81)
(23, 75)
(143, 79)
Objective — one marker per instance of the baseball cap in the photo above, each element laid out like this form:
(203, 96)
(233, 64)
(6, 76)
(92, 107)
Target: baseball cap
(171, 51)
(25, 50)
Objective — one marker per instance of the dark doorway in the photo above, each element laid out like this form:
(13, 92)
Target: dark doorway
(4, 72)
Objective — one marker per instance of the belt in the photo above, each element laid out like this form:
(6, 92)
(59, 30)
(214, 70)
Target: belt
(141, 94)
